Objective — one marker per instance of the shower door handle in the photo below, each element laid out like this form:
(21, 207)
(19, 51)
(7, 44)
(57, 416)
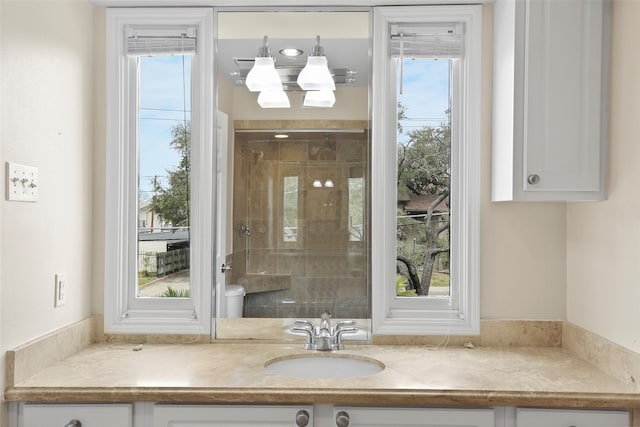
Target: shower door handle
(224, 268)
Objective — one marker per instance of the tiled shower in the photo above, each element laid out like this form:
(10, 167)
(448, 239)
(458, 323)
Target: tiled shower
(300, 222)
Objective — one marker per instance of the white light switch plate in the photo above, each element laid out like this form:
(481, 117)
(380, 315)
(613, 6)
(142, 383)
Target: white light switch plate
(60, 289)
(22, 182)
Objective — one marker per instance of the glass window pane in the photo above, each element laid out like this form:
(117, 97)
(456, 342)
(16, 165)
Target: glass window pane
(423, 178)
(356, 209)
(164, 144)
(290, 209)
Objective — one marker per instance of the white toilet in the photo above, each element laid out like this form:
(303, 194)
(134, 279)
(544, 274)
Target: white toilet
(234, 295)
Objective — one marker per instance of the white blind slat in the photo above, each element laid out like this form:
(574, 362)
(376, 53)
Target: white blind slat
(433, 41)
(160, 41)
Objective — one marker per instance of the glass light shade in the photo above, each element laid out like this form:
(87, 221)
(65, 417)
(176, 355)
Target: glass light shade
(317, 183)
(316, 75)
(263, 76)
(273, 99)
(319, 98)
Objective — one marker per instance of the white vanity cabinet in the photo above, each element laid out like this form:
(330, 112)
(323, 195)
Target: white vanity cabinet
(60, 415)
(326, 416)
(406, 417)
(232, 415)
(573, 418)
(148, 414)
(550, 103)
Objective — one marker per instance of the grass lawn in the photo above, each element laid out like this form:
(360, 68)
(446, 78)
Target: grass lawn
(143, 280)
(439, 279)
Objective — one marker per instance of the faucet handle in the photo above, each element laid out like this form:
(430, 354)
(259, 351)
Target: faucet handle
(345, 330)
(343, 323)
(308, 345)
(306, 323)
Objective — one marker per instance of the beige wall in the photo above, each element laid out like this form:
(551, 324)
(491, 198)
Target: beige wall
(522, 255)
(603, 239)
(47, 121)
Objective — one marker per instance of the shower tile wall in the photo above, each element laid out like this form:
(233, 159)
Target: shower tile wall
(314, 233)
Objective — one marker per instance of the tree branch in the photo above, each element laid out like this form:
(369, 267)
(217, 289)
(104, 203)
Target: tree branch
(437, 251)
(441, 198)
(443, 228)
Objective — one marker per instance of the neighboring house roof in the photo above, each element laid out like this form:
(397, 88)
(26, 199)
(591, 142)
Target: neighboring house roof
(420, 203)
(165, 236)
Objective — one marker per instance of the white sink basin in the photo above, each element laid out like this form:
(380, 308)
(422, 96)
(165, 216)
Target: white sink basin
(324, 366)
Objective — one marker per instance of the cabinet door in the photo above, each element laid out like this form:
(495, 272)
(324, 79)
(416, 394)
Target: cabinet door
(550, 100)
(409, 417)
(567, 418)
(563, 95)
(45, 415)
(236, 416)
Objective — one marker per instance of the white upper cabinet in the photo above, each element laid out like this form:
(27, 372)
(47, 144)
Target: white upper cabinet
(550, 102)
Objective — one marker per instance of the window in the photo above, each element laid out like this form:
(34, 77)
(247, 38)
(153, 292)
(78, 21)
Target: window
(425, 170)
(356, 209)
(159, 171)
(290, 209)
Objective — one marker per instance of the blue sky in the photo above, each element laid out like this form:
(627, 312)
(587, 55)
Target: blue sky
(426, 92)
(162, 98)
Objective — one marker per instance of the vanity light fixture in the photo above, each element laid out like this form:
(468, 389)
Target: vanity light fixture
(319, 98)
(281, 135)
(316, 75)
(328, 183)
(263, 76)
(317, 183)
(273, 99)
(290, 52)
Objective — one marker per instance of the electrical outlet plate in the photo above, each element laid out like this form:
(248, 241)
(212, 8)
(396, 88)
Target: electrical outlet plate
(22, 182)
(60, 290)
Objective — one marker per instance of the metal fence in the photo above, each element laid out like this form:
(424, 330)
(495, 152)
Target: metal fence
(172, 261)
(163, 263)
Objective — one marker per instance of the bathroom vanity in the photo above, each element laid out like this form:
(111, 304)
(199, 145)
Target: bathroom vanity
(302, 416)
(216, 384)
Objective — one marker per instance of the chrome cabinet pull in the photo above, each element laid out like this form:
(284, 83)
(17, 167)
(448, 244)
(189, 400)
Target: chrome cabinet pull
(342, 419)
(302, 418)
(533, 179)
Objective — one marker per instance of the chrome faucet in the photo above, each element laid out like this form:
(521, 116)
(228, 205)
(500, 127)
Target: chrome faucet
(324, 337)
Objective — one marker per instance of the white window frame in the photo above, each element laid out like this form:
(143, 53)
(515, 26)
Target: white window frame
(123, 311)
(426, 316)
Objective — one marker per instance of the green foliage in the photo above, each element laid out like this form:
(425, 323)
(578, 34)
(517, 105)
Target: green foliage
(176, 293)
(401, 287)
(172, 203)
(424, 161)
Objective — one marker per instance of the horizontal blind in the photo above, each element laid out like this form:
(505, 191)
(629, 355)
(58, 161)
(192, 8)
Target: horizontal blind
(427, 41)
(146, 41)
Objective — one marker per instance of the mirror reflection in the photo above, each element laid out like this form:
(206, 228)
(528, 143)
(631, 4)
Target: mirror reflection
(297, 170)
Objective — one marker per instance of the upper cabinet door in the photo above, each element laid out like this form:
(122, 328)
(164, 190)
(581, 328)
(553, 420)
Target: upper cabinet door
(550, 103)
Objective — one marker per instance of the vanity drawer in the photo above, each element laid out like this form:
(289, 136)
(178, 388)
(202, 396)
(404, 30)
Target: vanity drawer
(571, 417)
(58, 415)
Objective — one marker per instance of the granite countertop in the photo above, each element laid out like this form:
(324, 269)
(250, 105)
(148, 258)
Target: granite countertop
(413, 375)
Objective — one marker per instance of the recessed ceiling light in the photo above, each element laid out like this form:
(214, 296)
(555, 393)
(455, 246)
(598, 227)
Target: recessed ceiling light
(291, 52)
(281, 135)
